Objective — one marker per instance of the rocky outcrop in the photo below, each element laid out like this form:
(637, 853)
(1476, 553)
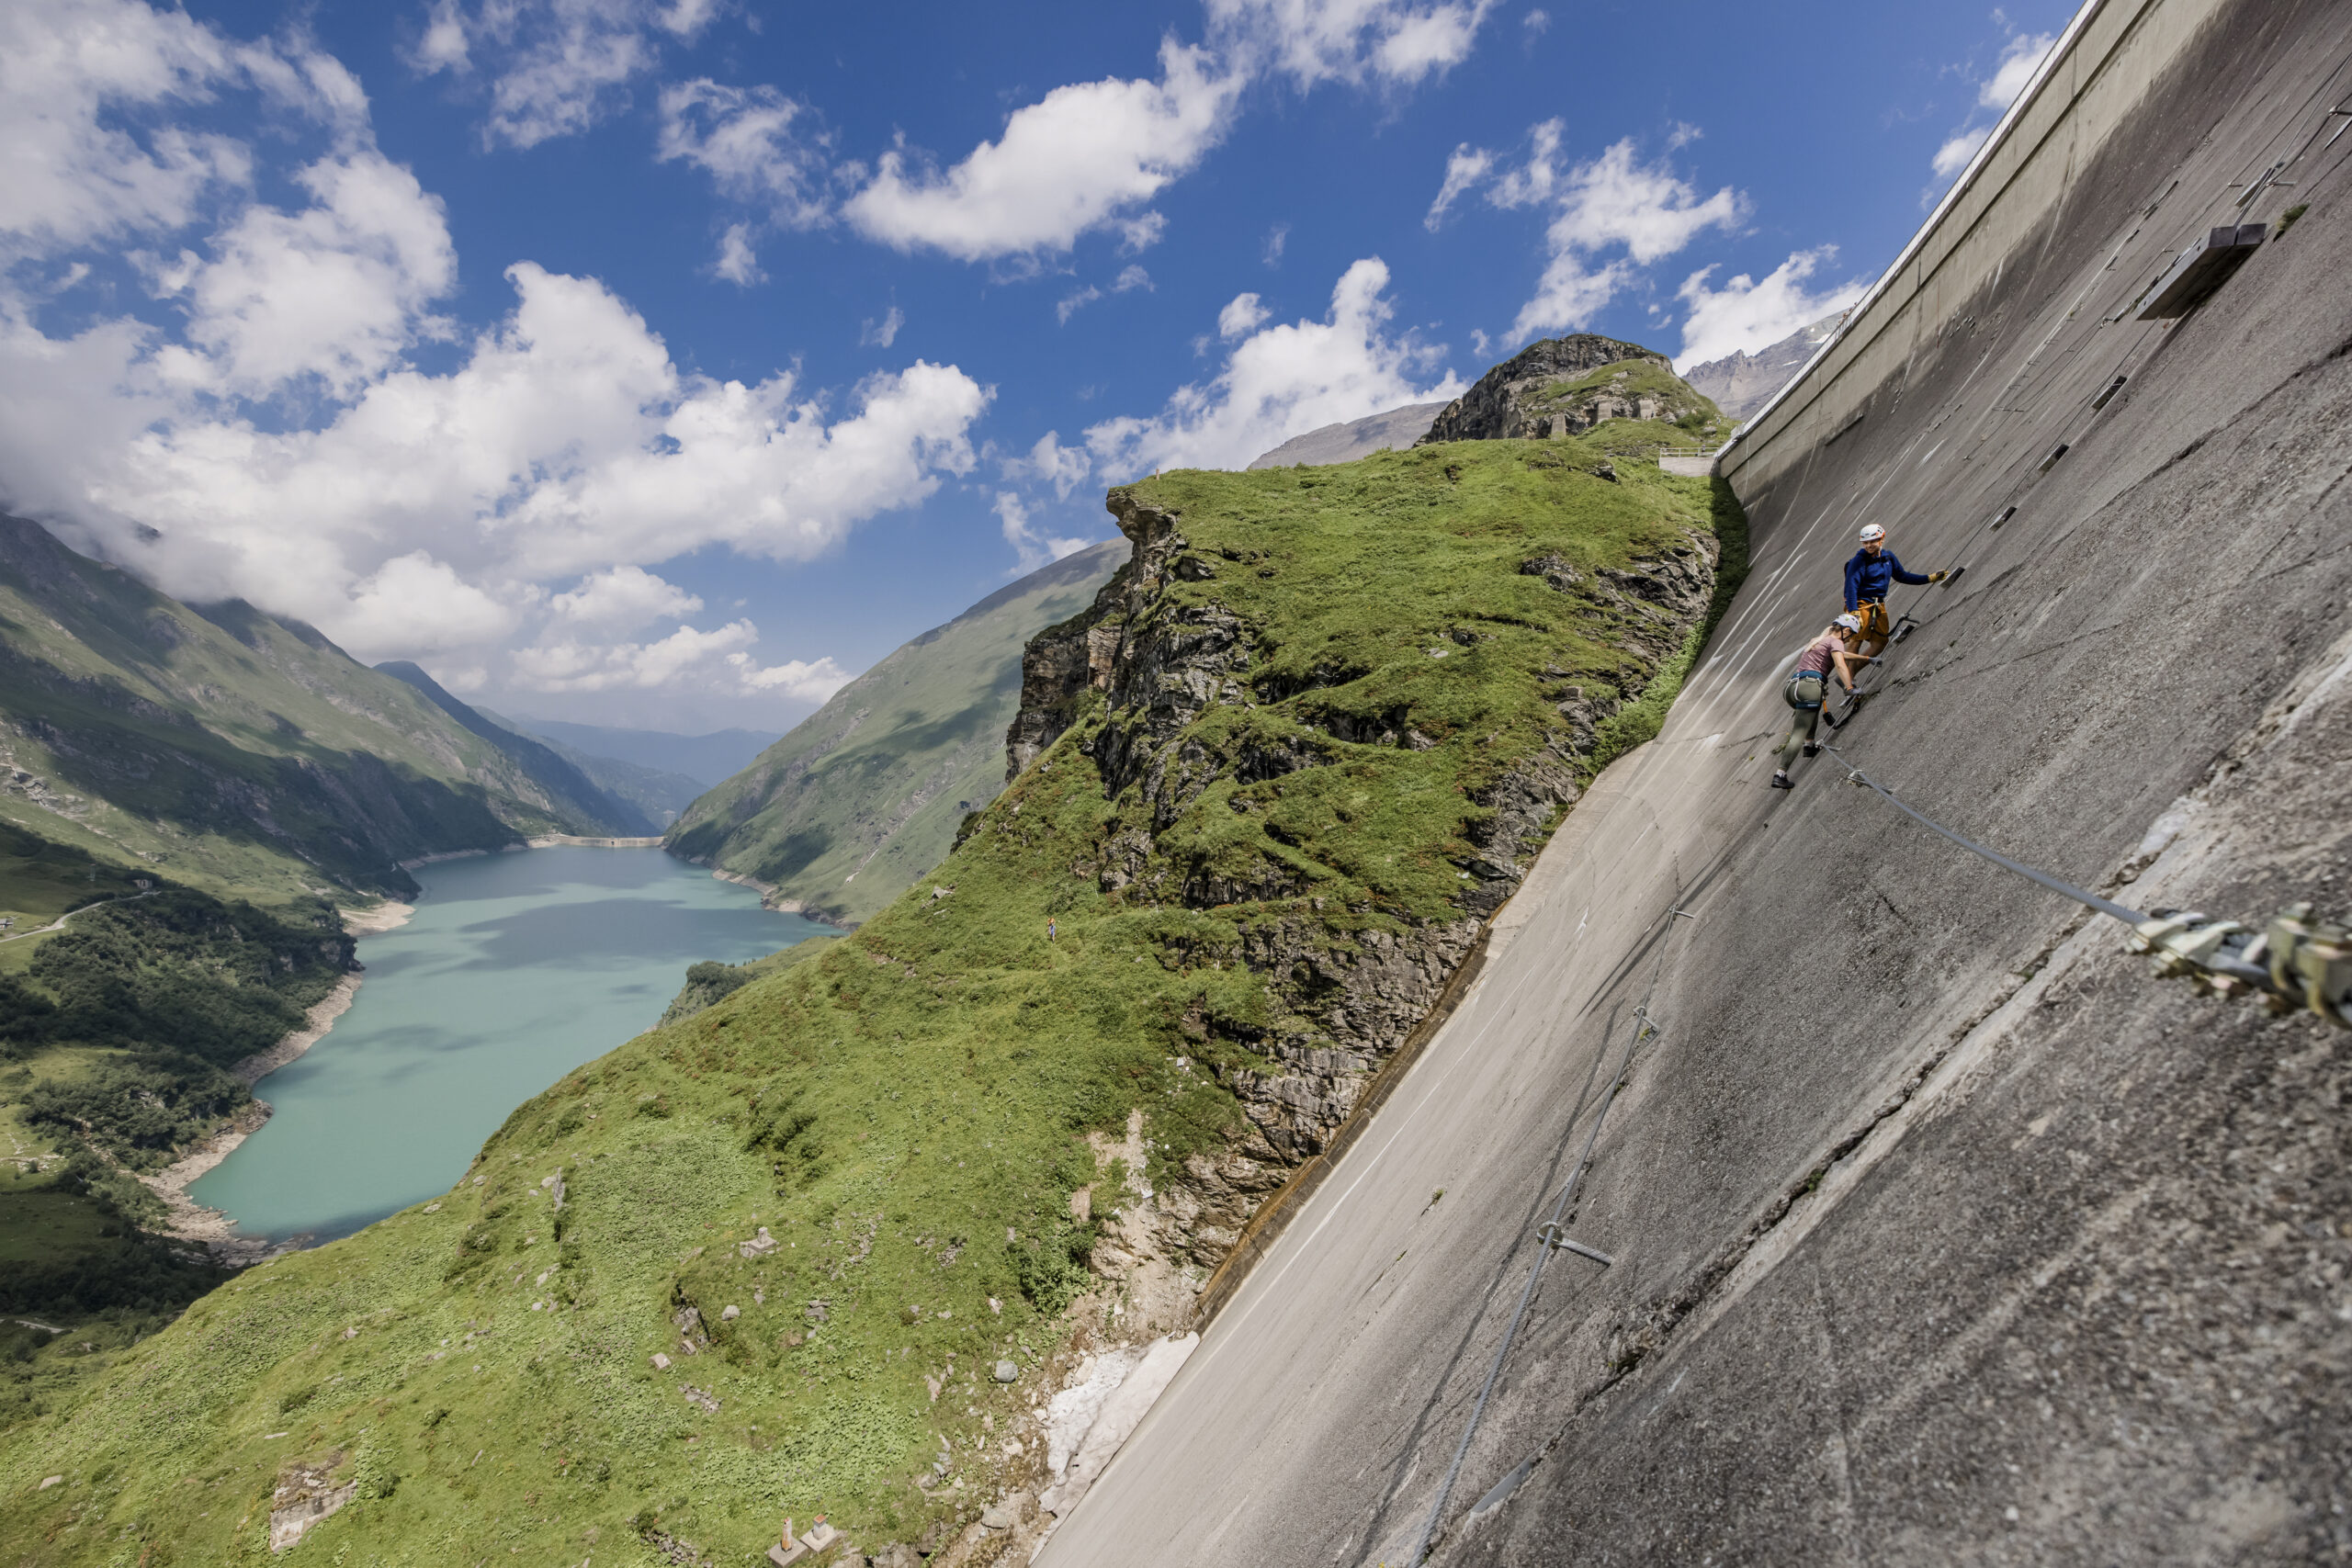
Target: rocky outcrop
(1140, 669)
(304, 1496)
(1515, 399)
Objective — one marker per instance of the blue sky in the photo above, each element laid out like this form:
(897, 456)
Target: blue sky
(663, 362)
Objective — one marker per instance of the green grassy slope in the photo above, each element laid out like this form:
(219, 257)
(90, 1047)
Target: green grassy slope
(865, 795)
(243, 754)
(115, 1036)
(904, 1111)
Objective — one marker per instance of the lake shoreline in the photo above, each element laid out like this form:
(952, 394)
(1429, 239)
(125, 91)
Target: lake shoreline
(280, 1197)
(767, 891)
(214, 1229)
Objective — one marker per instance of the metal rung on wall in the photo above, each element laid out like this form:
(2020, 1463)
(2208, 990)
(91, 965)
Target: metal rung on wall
(2200, 269)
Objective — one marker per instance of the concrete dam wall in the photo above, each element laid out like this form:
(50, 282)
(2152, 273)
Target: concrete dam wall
(1941, 1229)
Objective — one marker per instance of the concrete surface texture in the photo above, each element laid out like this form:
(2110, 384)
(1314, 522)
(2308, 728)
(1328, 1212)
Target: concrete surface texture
(1944, 1232)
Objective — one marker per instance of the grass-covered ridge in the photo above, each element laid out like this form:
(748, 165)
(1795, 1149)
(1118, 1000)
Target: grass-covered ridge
(1342, 672)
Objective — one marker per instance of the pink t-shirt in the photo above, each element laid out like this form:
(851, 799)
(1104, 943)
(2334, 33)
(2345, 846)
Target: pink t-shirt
(1815, 659)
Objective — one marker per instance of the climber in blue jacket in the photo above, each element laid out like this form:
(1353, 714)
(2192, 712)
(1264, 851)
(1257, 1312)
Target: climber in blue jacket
(1872, 570)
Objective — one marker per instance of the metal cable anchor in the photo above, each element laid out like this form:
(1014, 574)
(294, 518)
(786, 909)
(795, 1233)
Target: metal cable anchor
(2295, 963)
(1556, 1237)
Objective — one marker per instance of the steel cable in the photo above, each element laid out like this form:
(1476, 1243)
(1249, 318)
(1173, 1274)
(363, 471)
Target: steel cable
(2129, 917)
(1644, 1029)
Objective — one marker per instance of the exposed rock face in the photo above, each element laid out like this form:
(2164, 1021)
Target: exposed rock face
(1342, 1001)
(1506, 402)
(304, 1496)
(1746, 382)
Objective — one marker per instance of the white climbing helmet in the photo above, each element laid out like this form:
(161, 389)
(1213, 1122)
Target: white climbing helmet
(1848, 623)
(1872, 531)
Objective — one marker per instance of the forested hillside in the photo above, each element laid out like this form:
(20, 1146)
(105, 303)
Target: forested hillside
(117, 1034)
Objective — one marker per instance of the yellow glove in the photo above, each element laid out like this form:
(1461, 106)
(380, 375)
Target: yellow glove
(1938, 575)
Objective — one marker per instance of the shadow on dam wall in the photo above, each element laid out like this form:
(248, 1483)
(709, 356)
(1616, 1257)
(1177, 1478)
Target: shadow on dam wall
(1943, 1231)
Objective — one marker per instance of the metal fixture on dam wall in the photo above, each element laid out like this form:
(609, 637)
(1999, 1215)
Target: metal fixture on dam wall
(1941, 1229)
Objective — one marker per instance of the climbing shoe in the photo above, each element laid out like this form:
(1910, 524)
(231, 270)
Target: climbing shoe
(1812, 748)
(1782, 781)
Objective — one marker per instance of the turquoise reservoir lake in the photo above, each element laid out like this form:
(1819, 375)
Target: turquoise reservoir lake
(514, 969)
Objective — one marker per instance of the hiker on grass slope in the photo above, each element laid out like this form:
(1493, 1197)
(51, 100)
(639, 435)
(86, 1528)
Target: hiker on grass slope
(1809, 685)
(1869, 575)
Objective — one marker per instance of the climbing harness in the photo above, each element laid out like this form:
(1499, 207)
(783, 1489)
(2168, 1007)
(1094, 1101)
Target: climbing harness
(2294, 962)
(1552, 1236)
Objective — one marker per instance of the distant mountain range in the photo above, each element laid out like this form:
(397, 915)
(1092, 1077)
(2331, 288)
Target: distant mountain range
(565, 782)
(238, 751)
(658, 792)
(864, 795)
(1744, 383)
(1396, 429)
(705, 758)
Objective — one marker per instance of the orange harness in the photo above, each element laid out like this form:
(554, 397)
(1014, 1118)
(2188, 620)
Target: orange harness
(1876, 627)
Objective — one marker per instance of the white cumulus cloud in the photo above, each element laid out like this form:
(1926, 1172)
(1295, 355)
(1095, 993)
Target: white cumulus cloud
(1392, 43)
(1281, 380)
(1746, 313)
(1087, 158)
(553, 67)
(1957, 149)
(800, 680)
(736, 262)
(2020, 57)
(565, 441)
(1615, 201)
(1130, 277)
(623, 598)
(1469, 166)
(1051, 463)
(1032, 547)
(561, 664)
(2020, 60)
(83, 166)
(1084, 157)
(269, 433)
(335, 289)
(1242, 315)
(759, 147)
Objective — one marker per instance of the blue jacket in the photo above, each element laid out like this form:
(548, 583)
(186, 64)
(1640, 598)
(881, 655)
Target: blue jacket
(1868, 577)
